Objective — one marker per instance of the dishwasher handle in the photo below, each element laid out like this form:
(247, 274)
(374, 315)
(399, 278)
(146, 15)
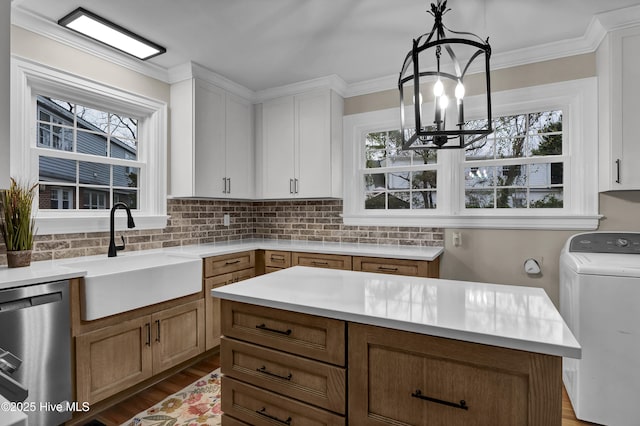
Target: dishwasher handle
(9, 388)
(27, 302)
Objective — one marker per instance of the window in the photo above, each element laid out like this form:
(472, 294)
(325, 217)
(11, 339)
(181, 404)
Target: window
(537, 170)
(88, 146)
(100, 140)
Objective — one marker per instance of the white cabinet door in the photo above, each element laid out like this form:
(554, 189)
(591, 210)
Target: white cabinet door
(618, 60)
(313, 147)
(239, 148)
(209, 155)
(278, 148)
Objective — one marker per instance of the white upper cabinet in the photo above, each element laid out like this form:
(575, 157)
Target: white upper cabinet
(212, 149)
(299, 151)
(618, 65)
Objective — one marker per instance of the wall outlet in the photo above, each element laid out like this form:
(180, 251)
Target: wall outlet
(226, 219)
(457, 239)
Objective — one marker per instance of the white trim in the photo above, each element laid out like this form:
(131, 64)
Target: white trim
(578, 101)
(29, 79)
(333, 82)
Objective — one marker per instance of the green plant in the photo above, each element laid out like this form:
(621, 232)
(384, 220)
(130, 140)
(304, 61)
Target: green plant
(16, 224)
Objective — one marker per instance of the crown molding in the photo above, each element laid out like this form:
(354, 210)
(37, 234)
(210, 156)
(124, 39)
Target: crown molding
(39, 25)
(333, 82)
(619, 18)
(190, 70)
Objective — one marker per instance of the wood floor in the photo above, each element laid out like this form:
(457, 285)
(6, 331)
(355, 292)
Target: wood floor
(122, 412)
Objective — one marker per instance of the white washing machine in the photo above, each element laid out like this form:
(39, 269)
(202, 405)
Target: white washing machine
(600, 302)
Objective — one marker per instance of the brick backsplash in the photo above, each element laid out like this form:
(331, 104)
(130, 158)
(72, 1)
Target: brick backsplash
(194, 221)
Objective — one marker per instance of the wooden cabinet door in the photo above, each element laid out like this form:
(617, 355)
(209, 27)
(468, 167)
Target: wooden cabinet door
(213, 329)
(396, 377)
(178, 334)
(278, 148)
(112, 359)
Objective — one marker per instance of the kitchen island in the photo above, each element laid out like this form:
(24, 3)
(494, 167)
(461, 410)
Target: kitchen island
(329, 346)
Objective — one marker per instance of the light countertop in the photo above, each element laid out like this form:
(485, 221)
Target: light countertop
(513, 317)
(54, 270)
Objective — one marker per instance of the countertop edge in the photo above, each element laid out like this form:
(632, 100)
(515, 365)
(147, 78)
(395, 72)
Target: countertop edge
(491, 340)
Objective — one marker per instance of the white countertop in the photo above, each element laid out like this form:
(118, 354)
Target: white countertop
(513, 317)
(54, 270)
(373, 250)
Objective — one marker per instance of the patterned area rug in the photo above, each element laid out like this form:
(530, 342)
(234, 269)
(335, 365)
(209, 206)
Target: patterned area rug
(197, 404)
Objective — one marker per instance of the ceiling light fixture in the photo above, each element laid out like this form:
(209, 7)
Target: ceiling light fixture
(446, 72)
(104, 31)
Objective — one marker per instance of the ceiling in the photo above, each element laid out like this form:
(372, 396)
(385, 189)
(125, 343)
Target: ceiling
(261, 44)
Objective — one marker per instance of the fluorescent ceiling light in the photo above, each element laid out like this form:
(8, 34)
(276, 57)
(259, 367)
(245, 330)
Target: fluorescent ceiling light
(104, 31)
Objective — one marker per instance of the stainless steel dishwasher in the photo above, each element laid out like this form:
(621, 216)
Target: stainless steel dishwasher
(35, 351)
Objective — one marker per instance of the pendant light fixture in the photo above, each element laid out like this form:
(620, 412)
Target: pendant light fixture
(449, 56)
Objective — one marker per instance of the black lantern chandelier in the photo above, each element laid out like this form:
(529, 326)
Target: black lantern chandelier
(436, 130)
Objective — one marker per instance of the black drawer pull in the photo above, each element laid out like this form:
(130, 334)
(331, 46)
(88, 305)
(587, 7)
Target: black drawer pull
(462, 405)
(316, 262)
(275, 258)
(264, 413)
(265, 328)
(232, 262)
(264, 370)
(387, 268)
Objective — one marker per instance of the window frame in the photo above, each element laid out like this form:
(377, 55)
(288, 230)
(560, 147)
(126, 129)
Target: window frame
(31, 79)
(578, 101)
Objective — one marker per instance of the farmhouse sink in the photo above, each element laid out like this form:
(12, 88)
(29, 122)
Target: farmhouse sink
(133, 280)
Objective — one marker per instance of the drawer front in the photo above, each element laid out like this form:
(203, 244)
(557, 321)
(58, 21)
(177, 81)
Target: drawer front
(300, 378)
(259, 407)
(331, 261)
(416, 268)
(277, 259)
(319, 338)
(218, 265)
(230, 421)
(404, 378)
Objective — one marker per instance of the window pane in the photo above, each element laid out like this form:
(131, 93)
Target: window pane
(127, 196)
(425, 156)
(123, 127)
(510, 147)
(479, 199)
(424, 180)
(56, 170)
(479, 177)
(125, 176)
(375, 158)
(550, 144)
(56, 197)
(92, 143)
(545, 122)
(424, 200)
(398, 180)
(94, 199)
(547, 198)
(511, 198)
(480, 150)
(399, 200)
(512, 175)
(375, 182)
(94, 173)
(92, 119)
(375, 200)
(546, 174)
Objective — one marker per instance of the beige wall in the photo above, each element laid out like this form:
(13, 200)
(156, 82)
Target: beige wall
(5, 35)
(498, 255)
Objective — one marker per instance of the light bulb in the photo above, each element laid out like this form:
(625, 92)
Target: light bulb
(438, 88)
(444, 102)
(459, 90)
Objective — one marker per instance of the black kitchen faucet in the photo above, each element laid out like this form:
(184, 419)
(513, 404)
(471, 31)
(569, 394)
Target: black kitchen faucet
(113, 248)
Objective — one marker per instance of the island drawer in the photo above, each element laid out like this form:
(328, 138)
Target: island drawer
(259, 407)
(314, 382)
(332, 261)
(319, 338)
(277, 259)
(218, 265)
(416, 268)
(397, 377)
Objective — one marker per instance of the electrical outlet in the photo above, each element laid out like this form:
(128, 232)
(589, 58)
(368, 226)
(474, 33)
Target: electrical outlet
(226, 219)
(457, 239)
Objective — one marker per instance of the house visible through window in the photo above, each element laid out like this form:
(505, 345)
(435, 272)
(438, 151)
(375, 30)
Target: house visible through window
(90, 156)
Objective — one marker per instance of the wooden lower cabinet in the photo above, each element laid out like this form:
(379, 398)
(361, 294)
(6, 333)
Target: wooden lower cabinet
(114, 358)
(416, 268)
(212, 304)
(331, 261)
(398, 377)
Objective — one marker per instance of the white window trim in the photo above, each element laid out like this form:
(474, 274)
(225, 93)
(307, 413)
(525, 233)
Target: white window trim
(578, 101)
(27, 80)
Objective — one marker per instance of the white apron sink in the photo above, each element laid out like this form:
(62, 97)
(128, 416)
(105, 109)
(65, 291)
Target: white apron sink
(133, 280)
